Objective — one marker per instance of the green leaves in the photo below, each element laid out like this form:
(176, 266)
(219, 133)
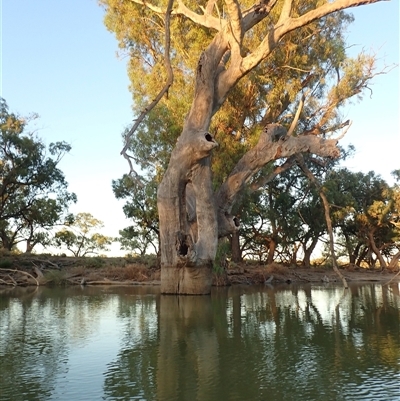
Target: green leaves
(33, 190)
(80, 237)
(141, 207)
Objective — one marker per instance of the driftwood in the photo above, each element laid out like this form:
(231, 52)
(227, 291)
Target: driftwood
(38, 271)
(15, 279)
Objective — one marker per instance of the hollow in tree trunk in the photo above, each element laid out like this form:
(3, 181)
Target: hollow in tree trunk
(192, 216)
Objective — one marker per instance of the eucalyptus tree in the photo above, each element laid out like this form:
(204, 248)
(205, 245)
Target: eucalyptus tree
(226, 60)
(286, 216)
(366, 216)
(80, 235)
(269, 222)
(141, 207)
(34, 193)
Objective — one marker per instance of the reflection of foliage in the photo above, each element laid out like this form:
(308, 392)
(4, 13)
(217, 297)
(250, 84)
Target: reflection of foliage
(31, 356)
(237, 344)
(196, 345)
(132, 374)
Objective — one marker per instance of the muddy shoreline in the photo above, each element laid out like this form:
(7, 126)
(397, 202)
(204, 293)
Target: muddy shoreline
(24, 270)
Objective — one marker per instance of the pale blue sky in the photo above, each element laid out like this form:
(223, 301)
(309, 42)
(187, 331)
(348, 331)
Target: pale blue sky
(58, 60)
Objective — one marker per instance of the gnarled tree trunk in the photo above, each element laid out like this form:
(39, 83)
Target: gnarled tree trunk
(192, 216)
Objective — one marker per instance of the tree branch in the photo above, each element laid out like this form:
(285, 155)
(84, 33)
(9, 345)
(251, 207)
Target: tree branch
(272, 145)
(285, 25)
(264, 180)
(206, 20)
(286, 10)
(164, 90)
(313, 179)
(236, 33)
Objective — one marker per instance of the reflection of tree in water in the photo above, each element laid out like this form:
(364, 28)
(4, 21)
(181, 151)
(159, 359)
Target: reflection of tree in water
(260, 344)
(31, 353)
(239, 344)
(36, 326)
(132, 374)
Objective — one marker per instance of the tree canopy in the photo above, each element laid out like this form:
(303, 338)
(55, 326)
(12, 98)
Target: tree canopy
(249, 88)
(80, 235)
(34, 194)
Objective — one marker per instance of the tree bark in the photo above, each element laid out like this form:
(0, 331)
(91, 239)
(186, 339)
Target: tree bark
(375, 249)
(191, 216)
(308, 252)
(394, 261)
(235, 247)
(271, 250)
(185, 199)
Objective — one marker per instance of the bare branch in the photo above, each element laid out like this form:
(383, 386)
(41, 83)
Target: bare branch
(206, 20)
(286, 9)
(313, 179)
(236, 33)
(347, 125)
(210, 6)
(319, 130)
(164, 90)
(150, 6)
(289, 24)
(296, 117)
(257, 13)
(263, 181)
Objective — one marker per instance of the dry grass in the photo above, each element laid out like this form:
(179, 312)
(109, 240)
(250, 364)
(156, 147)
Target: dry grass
(67, 271)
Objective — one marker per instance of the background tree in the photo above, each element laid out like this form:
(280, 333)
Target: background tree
(33, 190)
(141, 208)
(79, 238)
(223, 54)
(366, 211)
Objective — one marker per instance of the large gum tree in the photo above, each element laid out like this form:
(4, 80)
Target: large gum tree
(240, 38)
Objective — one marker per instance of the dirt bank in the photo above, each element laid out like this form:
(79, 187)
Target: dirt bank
(23, 270)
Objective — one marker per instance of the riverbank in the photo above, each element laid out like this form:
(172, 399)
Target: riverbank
(24, 270)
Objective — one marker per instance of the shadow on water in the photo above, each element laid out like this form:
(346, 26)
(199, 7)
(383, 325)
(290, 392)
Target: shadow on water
(241, 343)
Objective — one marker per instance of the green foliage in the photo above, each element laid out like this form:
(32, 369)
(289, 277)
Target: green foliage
(56, 277)
(366, 214)
(141, 207)
(149, 260)
(33, 190)
(95, 262)
(279, 217)
(5, 263)
(223, 251)
(309, 64)
(78, 236)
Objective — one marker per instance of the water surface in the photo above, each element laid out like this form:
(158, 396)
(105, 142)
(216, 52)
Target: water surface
(240, 343)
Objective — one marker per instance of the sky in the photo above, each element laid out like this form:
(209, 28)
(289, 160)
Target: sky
(59, 60)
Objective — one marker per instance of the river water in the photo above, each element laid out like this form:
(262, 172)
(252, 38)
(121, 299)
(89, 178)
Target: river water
(241, 343)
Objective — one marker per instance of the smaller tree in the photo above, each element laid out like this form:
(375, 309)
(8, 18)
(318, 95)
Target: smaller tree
(366, 214)
(33, 190)
(78, 236)
(136, 240)
(141, 207)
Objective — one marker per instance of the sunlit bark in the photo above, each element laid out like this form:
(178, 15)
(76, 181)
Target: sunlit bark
(191, 216)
